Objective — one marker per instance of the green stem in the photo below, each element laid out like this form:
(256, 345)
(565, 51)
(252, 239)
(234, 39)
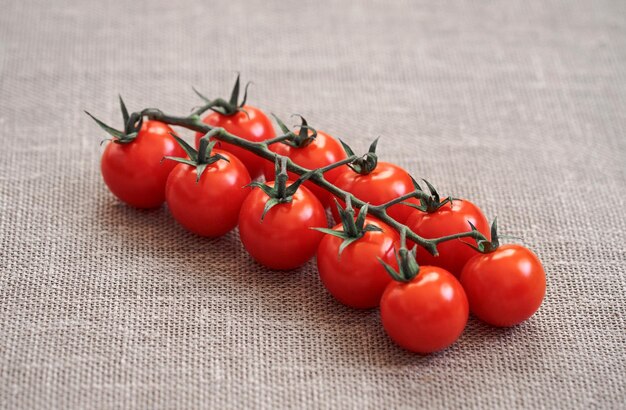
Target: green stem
(338, 164)
(218, 102)
(414, 194)
(472, 234)
(281, 178)
(350, 225)
(260, 149)
(277, 139)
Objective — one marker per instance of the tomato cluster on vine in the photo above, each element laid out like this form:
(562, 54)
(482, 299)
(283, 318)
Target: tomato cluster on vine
(424, 260)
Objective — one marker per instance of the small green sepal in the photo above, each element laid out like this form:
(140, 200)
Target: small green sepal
(281, 193)
(366, 163)
(353, 228)
(230, 107)
(132, 125)
(302, 138)
(201, 158)
(431, 203)
(285, 129)
(408, 268)
(483, 245)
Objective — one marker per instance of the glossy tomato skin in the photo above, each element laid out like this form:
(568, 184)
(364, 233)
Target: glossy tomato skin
(426, 314)
(255, 126)
(388, 181)
(356, 278)
(448, 220)
(134, 172)
(504, 287)
(209, 207)
(283, 240)
(324, 150)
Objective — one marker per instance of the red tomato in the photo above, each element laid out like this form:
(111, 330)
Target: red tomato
(135, 172)
(504, 287)
(324, 150)
(386, 182)
(448, 220)
(282, 240)
(209, 207)
(255, 126)
(356, 278)
(426, 314)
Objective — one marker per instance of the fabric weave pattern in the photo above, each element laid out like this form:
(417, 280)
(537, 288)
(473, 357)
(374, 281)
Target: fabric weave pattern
(518, 106)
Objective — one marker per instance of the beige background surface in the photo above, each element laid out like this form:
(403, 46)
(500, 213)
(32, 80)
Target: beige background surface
(519, 106)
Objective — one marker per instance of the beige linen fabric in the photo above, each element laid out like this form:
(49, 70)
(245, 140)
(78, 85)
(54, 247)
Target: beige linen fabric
(519, 106)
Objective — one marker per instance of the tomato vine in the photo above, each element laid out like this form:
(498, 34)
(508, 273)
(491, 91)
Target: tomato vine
(396, 226)
(261, 149)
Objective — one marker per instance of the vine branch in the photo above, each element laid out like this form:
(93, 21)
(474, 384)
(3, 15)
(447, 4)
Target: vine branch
(193, 122)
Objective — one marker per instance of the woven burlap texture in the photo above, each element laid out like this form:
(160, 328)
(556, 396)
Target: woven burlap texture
(519, 106)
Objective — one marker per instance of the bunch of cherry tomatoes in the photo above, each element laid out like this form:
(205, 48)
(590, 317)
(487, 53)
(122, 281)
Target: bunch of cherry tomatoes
(364, 263)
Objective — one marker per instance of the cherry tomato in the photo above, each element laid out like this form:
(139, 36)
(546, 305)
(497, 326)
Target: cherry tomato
(356, 278)
(282, 240)
(426, 314)
(386, 182)
(253, 126)
(135, 172)
(448, 220)
(324, 150)
(210, 206)
(504, 287)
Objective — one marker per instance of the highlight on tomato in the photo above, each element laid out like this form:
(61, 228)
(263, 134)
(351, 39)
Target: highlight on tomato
(435, 217)
(276, 220)
(131, 164)
(311, 149)
(347, 257)
(243, 120)
(204, 192)
(505, 285)
(376, 183)
(424, 309)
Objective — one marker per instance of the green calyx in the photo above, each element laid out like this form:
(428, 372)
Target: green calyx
(132, 125)
(485, 246)
(280, 193)
(408, 267)
(353, 229)
(302, 138)
(201, 158)
(431, 203)
(365, 164)
(230, 107)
